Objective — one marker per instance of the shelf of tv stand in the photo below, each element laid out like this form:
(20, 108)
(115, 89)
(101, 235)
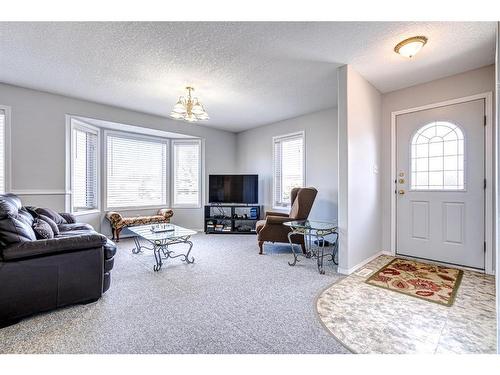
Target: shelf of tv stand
(230, 220)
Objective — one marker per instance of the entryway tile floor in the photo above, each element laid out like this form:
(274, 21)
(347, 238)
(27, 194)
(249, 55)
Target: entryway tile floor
(367, 319)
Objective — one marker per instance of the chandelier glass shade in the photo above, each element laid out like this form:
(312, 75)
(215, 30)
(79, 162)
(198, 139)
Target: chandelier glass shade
(189, 109)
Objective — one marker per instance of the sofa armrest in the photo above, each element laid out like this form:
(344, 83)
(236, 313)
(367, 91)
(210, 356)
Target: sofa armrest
(277, 220)
(70, 218)
(114, 217)
(166, 212)
(30, 249)
(281, 214)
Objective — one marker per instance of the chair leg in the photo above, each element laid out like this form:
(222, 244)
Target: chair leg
(261, 243)
(118, 234)
(113, 232)
(303, 246)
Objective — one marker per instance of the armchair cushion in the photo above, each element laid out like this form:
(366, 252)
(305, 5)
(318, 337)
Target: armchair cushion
(277, 220)
(55, 245)
(272, 213)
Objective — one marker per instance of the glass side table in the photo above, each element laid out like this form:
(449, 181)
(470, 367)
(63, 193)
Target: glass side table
(314, 233)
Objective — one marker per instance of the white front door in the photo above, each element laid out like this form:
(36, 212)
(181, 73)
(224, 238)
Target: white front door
(440, 184)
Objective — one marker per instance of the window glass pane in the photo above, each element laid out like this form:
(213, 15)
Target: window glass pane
(136, 172)
(288, 167)
(441, 155)
(186, 172)
(84, 169)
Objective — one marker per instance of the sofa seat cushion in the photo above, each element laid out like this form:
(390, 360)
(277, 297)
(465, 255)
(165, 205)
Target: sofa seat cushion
(260, 224)
(74, 226)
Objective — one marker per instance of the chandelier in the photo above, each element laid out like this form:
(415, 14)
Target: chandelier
(189, 109)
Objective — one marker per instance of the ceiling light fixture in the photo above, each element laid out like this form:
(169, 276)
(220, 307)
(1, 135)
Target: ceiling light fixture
(410, 47)
(189, 109)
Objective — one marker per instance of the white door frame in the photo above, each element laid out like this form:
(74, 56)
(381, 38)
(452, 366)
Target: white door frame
(488, 154)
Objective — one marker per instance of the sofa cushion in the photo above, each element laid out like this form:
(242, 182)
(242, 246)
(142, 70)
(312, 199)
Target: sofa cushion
(58, 219)
(51, 222)
(42, 229)
(109, 249)
(15, 222)
(74, 226)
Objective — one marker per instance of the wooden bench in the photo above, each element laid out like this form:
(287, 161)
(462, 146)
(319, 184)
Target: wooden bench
(118, 222)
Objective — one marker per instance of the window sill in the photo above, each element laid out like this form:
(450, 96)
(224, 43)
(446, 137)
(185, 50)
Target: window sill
(281, 208)
(139, 208)
(191, 206)
(89, 212)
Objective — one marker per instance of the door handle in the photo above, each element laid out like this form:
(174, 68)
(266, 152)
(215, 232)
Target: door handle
(401, 192)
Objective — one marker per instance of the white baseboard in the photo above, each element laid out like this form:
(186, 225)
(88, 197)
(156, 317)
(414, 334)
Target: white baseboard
(344, 271)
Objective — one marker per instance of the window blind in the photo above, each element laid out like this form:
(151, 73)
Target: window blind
(2, 151)
(186, 176)
(288, 158)
(136, 172)
(84, 186)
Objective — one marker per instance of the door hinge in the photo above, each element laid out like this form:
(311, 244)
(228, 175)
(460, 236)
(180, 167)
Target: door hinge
(484, 120)
(484, 185)
(484, 246)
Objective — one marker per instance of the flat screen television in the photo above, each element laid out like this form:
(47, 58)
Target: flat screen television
(233, 188)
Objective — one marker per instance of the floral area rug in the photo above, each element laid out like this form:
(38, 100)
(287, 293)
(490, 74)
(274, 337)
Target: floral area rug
(422, 280)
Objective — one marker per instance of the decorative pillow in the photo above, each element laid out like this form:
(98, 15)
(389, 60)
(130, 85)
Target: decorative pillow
(58, 219)
(42, 229)
(51, 222)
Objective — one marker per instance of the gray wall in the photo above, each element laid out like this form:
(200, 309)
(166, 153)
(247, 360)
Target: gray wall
(38, 146)
(255, 155)
(360, 150)
(469, 83)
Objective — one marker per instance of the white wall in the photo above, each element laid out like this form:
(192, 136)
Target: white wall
(456, 86)
(255, 155)
(38, 147)
(497, 190)
(360, 148)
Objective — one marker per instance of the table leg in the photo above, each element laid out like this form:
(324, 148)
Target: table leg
(157, 253)
(293, 249)
(186, 256)
(137, 248)
(335, 251)
(321, 253)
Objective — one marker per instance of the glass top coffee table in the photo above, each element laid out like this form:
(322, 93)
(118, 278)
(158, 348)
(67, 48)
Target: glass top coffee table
(162, 237)
(311, 229)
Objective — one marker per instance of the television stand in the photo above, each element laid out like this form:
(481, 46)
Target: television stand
(231, 218)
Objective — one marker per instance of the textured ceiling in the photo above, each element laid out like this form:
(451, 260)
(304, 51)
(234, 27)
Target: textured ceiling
(246, 74)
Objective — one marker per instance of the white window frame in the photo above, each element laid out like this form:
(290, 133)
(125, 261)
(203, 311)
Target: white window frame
(7, 149)
(134, 136)
(302, 134)
(464, 166)
(80, 125)
(172, 174)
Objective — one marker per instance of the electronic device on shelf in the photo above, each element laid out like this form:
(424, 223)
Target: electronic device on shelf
(233, 188)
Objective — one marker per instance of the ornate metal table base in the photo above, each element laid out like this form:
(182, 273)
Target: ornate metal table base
(318, 251)
(161, 240)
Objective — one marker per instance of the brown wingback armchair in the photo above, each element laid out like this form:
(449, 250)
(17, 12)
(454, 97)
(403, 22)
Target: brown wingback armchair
(271, 229)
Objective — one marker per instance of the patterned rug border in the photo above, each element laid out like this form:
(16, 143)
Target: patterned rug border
(453, 294)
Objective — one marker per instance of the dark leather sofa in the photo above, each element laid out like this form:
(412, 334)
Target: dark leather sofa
(44, 274)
